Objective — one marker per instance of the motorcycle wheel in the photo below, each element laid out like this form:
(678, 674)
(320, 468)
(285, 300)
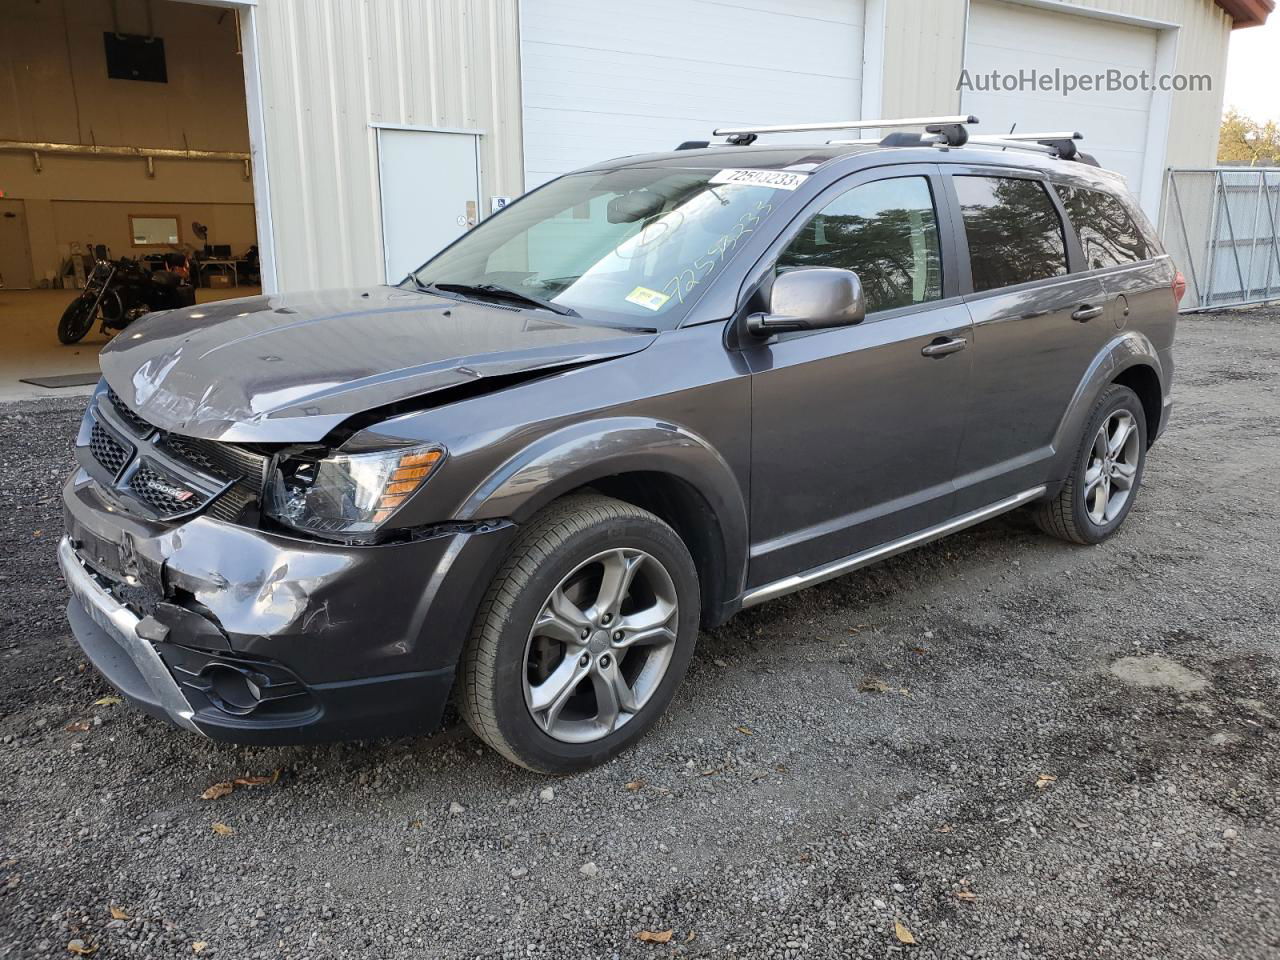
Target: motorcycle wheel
(77, 320)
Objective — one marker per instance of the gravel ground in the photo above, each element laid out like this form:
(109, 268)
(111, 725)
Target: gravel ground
(1010, 746)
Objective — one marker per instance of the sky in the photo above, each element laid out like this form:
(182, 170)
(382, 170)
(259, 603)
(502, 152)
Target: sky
(1253, 71)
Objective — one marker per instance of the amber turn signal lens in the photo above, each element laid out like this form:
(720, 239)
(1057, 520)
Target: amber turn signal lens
(411, 470)
(427, 458)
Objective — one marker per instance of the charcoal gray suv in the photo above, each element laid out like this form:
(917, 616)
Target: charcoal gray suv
(643, 397)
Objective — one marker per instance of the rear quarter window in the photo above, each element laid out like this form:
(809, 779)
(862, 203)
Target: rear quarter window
(1013, 230)
(1109, 234)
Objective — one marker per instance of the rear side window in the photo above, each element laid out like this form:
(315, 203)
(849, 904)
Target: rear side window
(886, 232)
(1014, 233)
(1109, 235)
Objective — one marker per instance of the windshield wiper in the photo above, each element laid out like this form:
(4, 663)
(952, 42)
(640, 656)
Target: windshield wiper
(417, 283)
(496, 291)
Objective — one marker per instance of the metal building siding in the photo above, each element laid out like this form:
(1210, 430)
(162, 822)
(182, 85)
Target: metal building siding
(330, 69)
(924, 49)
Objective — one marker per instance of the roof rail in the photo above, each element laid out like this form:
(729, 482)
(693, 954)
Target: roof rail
(949, 130)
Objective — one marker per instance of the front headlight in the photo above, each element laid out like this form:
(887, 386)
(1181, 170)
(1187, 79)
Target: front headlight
(345, 495)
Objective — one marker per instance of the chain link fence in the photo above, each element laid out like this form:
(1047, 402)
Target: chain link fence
(1222, 228)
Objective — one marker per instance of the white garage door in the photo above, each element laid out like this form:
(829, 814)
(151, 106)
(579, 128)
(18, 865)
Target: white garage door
(605, 78)
(1010, 38)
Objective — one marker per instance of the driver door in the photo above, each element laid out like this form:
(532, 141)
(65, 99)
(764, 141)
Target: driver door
(855, 430)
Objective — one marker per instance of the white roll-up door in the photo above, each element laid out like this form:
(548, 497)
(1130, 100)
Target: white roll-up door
(605, 78)
(1010, 37)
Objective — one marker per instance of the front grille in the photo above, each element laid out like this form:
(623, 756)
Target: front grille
(231, 504)
(223, 460)
(186, 480)
(131, 419)
(111, 454)
(163, 494)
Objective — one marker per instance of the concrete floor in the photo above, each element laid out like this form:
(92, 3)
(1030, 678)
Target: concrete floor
(29, 344)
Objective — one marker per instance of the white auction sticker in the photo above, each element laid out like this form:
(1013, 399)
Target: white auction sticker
(775, 179)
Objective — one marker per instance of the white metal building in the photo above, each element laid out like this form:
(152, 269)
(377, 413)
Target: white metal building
(380, 129)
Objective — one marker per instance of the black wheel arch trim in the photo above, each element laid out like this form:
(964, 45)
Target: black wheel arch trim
(586, 453)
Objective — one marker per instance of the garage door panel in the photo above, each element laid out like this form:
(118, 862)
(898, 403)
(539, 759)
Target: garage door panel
(593, 89)
(592, 81)
(1009, 38)
(697, 30)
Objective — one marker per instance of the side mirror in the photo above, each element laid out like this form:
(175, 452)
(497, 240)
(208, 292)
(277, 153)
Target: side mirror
(811, 298)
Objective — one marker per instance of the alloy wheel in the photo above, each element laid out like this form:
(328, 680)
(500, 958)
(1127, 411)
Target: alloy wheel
(1112, 467)
(600, 645)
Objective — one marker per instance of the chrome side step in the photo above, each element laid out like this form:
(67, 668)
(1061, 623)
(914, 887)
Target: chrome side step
(837, 568)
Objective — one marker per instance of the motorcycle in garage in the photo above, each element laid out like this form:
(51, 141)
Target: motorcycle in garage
(120, 291)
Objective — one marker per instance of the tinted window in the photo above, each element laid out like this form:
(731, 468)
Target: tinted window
(1108, 233)
(1014, 232)
(886, 232)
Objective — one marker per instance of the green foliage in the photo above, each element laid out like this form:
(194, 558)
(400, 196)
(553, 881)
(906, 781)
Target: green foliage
(1245, 142)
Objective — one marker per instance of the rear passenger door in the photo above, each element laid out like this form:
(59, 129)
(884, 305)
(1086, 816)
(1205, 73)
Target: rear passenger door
(1036, 328)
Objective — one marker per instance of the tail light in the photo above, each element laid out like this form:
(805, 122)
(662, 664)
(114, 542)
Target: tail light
(1179, 288)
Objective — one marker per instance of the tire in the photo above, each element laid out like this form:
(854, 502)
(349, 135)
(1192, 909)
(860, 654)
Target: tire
(1079, 513)
(77, 320)
(512, 666)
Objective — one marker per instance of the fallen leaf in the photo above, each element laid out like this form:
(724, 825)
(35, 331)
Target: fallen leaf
(222, 830)
(415, 824)
(902, 933)
(82, 949)
(257, 781)
(945, 828)
(689, 938)
(80, 726)
(635, 785)
(872, 685)
(198, 946)
(118, 914)
(745, 731)
(654, 936)
(919, 651)
(217, 790)
(967, 896)
(107, 701)
(1045, 780)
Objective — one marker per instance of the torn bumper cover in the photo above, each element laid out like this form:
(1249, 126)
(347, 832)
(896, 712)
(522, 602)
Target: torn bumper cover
(251, 637)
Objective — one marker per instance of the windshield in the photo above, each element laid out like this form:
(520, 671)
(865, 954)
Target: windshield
(630, 247)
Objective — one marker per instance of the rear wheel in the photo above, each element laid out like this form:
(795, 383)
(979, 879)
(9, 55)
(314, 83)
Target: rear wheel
(77, 320)
(1108, 471)
(583, 636)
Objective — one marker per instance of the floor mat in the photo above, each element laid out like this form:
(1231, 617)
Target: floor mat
(65, 380)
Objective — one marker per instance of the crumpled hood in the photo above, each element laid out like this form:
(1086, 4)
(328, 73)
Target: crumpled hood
(290, 368)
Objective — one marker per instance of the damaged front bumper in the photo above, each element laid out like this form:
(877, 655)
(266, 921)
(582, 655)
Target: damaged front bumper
(253, 637)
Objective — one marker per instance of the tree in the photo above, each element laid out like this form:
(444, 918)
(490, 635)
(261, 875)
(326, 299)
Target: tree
(1243, 142)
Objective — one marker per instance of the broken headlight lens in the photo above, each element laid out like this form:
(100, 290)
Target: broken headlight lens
(343, 495)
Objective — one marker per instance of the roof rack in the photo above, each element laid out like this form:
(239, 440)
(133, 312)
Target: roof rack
(948, 131)
(1062, 144)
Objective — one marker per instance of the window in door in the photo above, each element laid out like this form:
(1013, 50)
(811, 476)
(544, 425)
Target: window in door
(1014, 232)
(886, 232)
(1109, 235)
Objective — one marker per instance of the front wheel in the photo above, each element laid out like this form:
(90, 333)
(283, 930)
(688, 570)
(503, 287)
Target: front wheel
(583, 637)
(77, 320)
(1100, 491)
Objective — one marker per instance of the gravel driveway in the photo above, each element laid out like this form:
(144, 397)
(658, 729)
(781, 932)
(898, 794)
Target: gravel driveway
(997, 746)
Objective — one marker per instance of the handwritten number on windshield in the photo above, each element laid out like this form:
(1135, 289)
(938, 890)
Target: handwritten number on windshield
(702, 267)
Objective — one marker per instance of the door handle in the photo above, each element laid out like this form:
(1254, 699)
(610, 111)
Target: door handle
(944, 347)
(1086, 313)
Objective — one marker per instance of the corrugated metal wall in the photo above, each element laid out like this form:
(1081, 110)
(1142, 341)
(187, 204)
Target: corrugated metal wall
(924, 44)
(331, 68)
